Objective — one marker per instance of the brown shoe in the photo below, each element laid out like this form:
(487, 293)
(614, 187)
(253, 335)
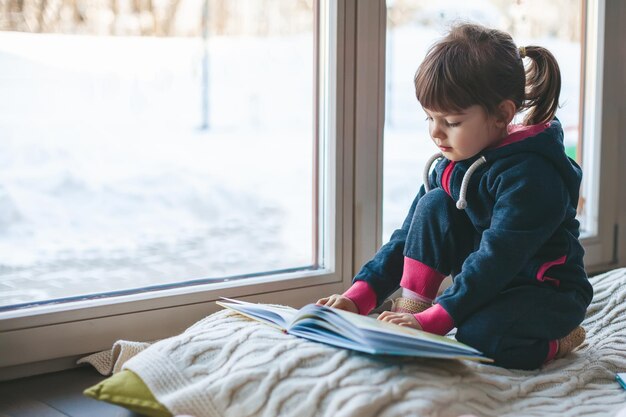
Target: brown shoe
(406, 305)
(570, 342)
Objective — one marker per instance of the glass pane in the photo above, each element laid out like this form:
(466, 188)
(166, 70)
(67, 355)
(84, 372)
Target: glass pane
(412, 27)
(153, 143)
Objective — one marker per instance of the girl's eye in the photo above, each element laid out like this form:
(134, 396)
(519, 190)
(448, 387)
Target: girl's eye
(448, 124)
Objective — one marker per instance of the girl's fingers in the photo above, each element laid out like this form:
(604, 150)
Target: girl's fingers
(388, 315)
(327, 301)
(401, 319)
(393, 317)
(338, 303)
(384, 315)
(322, 301)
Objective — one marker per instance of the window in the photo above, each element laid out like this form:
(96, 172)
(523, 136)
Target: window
(219, 127)
(569, 29)
(148, 146)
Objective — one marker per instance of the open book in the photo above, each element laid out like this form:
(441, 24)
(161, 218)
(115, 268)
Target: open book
(352, 331)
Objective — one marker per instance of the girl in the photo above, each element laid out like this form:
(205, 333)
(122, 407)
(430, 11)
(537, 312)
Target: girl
(498, 212)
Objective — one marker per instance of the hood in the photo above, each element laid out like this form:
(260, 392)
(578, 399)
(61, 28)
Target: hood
(545, 140)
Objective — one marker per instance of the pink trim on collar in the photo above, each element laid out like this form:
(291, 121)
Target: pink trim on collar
(520, 132)
(447, 176)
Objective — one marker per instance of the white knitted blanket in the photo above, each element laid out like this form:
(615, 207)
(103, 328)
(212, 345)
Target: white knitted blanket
(227, 365)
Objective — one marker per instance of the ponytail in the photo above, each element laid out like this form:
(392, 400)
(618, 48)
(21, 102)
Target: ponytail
(543, 85)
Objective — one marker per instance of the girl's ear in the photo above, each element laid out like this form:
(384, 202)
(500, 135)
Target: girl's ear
(506, 112)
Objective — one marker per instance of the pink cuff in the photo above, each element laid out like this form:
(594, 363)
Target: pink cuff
(363, 296)
(421, 278)
(553, 347)
(435, 320)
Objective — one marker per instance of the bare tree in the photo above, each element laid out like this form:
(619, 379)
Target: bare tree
(169, 18)
(220, 14)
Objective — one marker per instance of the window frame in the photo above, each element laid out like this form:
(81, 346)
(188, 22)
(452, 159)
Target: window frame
(602, 104)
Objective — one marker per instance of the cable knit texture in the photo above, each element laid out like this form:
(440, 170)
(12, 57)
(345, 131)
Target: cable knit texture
(227, 365)
(110, 361)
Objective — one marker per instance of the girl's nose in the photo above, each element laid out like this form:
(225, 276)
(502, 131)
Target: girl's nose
(436, 132)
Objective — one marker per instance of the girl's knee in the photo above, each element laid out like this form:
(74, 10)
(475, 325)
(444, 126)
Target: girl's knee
(436, 197)
(524, 356)
(477, 338)
(435, 204)
(506, 352)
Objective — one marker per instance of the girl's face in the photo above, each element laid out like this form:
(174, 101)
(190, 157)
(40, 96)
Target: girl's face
(460, 136)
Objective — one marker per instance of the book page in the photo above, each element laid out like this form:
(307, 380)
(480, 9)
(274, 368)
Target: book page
(370, 323)
(274, 315)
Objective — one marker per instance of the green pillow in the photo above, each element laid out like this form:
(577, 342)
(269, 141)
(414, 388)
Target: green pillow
(127, 390)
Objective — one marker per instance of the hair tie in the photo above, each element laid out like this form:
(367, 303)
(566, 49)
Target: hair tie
(522, 51)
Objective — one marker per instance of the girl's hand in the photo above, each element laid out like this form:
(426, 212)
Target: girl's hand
(401, 319)
(340, 302)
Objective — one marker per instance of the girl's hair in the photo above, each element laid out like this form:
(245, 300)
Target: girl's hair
(474, 65)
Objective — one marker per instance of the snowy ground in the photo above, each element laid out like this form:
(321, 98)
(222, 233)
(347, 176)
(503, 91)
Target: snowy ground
(107, 182)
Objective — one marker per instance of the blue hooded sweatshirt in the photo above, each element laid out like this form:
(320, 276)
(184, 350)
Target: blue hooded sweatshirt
(521, 198)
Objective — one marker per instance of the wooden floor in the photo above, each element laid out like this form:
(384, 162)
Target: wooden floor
(56, 395)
